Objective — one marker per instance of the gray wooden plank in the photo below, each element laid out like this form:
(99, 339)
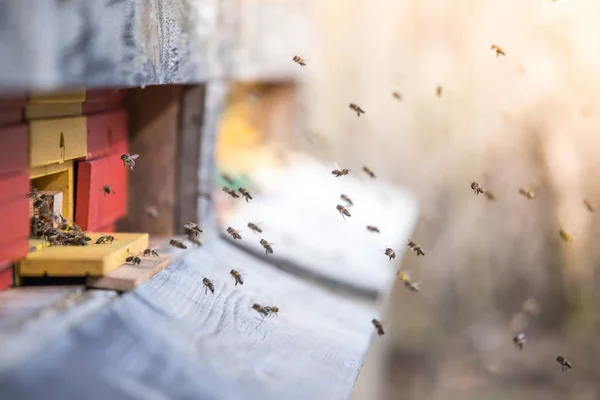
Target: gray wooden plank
(129, 276)
(168, 338)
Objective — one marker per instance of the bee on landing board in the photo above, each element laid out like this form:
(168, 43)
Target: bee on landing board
(230, 192)
(272, 310)
(151, 252)
(564, 235)
(477, 188)
(237, 277)
(372, 228)
(193, 228)
(105, 239)
(378, 327)
(347, 200)
(299, 60)
(565, 365)
(405, 278)
(134, 260)
(107, 190)
(397, 96)
(438, 91)
(129, 159)
(208, 285)
(234, 233)
(356, 109)
(416, 248)
(267, 246)
(245, 193)
(529, 194)
(391, 253)
(343, 210)
(254, 227)
(260, 309)
(369, 172)
(177, 244)
(498, 50)
(589, 205)
(519, 341)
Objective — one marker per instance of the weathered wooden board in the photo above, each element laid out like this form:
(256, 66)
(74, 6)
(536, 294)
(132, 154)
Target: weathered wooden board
(129, 276)
(168, 339)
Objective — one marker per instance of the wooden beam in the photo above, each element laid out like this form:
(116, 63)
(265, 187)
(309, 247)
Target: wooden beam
(128, 276)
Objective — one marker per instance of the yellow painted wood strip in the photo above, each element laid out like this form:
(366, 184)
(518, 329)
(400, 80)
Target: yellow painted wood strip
(51, 110)
(57, 177)
(37, 244)
(71, 96)
(93, 259)
(57, 140)
(127, 277)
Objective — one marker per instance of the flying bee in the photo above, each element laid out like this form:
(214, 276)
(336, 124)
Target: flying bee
(343, 210)
(193, 228)
(372, 228)
(405, 278)
(245, 193)
(208, 285)
(108, 190)
(391, 253)
(267, 246)
(105, 239)
(129, 159)
(566, 236)
(565, 365)
(299, 60)
(498, 50)
(489, 195)
(272, 310)
(529, 194)
(230, 192)
(416, 248)
(589, 205)
(397, 96)
(151, 211)
(234, 233)
(134, 260)
(369, 172)
(177, 244)
(378, 327)
(347, 200)
(520, 340)
(340, 172)
(150, 252)
(237, 277)
(254, 227)
(477, 188)
(438, 91)
(356, 109)
(260, 309)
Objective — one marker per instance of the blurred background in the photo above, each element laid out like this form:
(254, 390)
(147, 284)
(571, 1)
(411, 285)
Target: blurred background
(528, 119)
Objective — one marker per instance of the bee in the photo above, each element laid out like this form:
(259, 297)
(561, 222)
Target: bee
(193, 228)
(208, 286)
(237, 277)
(529, 194)
(477, 188)
(254, 227)
(33, 193)
(372, 228)
(150, 252)
(498, 50)
(416, 248)
(299, 60)
(230, 192)
(589, 205)
(391, 253)
(438, 91)
(272, 310)
(566, 236)
(397, 96)
(405, 278)
(267, 246)
(151, 211)
(108, 190)
(105, 239)
(129, 159)
(489, 195)
(228, 179)
(134, 260)
(340, 172)
(245, 193)
(343, 210)
(177, 244)
(347, 200)
(369, 172)
(234, 233)
(260, 309)
(565, 365)
(520, 340)
(378, 327)
(357, 109)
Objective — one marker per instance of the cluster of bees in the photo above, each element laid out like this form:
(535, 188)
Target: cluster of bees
(529, 194)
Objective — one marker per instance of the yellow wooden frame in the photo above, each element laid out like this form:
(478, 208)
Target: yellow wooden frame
(47, 135)
(57, 177)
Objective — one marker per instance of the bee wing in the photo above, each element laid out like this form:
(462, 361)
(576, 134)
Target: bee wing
(134, 156)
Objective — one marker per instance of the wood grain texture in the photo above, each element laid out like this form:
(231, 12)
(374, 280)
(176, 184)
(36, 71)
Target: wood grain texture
(168, 339)
(128, 276)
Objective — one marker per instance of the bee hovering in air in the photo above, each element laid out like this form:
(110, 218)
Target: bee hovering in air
(177, 244)
(267, 246)
(391, 253)
(208, 285)
(230, 192)
(372, 228)
(589, 205)
(498, 50)
(343, 210)
(237, 277)
(234, 233)
(356, 109)
(150, 252)
(129, 159)
(566, 236)
(438, 91)
(193, 228)
(108, 190)
(254, 227)
(134, 260)
(477, 188)
(245, 193)
(347, 200)
(105, 239)
(299, 60)
(369, 172)
(489, 195)
(260, 309)
(378, 327)
(340, 171)
(416, 248)
(405, 278)
(397, 96)
(520, 340)
(565, 365)
(529, 194)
